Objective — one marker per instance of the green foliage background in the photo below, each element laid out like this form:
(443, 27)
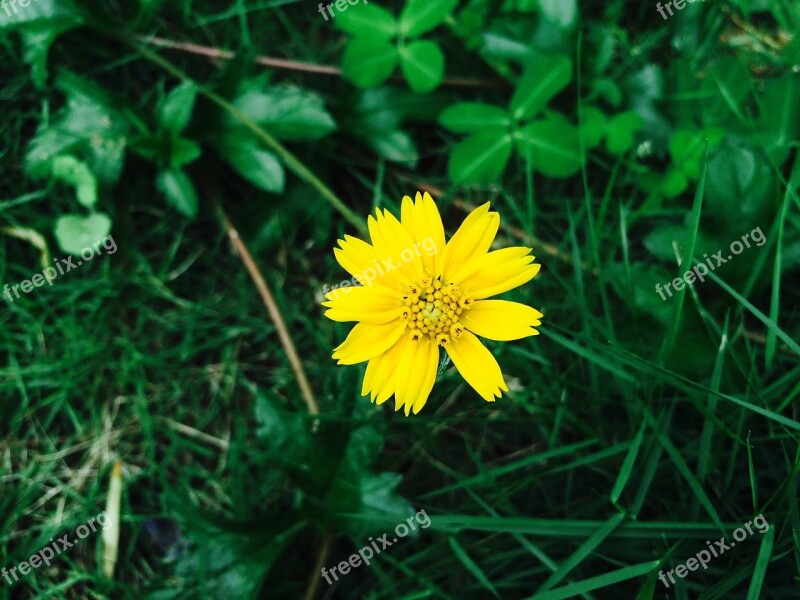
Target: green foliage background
(621, 146)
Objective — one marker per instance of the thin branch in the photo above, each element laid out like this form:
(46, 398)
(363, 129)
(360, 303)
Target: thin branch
(290, 65)
(273, 310)
(313, 580)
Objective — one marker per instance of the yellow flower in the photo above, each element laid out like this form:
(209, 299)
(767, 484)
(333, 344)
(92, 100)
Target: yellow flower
(418, 294)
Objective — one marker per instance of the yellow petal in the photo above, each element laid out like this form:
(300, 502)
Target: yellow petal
(501, 320)
(422, 220)
(499, 271)
(375, 304)
(432, 368)
(394, 248)
(367, 341)
(471, 241)
(416, 372)
(379, 380)
(477, 365)
(359, 258)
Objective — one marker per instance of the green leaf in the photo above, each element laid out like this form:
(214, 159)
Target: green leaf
(687, 149)
(287, 112)
(394, 145)
(560, 12)
(375, 116)
(175, 109)
(73, 172)
(471, 566)
(258, 166)
(673, 183)
(598, 582)
(367, 62)
(592, 127)
(75, 233)
(183, 152)
(779, 120)
(36, 40)
(762, 562)
(367, 21)
(178, 190)
(90, 128)
(481, 158)
(233, 557)
(365, 503)
(420, 16)
(422, 64)
(551, 146)
(620, 131)
(470, 117)
(544, 79)
(39, 24)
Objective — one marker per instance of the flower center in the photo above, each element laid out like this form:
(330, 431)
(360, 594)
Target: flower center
(433, 310)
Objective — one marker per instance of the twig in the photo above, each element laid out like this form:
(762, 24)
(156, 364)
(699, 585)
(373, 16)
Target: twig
(289, 65)
(274, 312)
(313, 581)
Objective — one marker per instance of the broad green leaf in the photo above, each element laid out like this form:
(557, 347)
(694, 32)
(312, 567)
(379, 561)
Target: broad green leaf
(178, 190)
(394, 145)
(620, 130)
(420, 16)
(544, 79)
(592, 127)
(481, 158)
(673, 183)
(737, 171)
(91, 128)
(233, 557)
(258, 166)
(75, 233)
(39, 23)
(367, 62)
(779, 120)
(289, 113)
(175, 109)
(560, 12)
(285, 433)
(363, 502)
(73, 172)
(469, 117)
(551, 146)
(508, 39)
(368, 21)
(375, 116)
(422, 64)
(37, 39)
(687, 149)
(183, 152)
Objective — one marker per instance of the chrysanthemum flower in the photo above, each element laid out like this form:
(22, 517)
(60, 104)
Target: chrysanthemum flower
(418, 294)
